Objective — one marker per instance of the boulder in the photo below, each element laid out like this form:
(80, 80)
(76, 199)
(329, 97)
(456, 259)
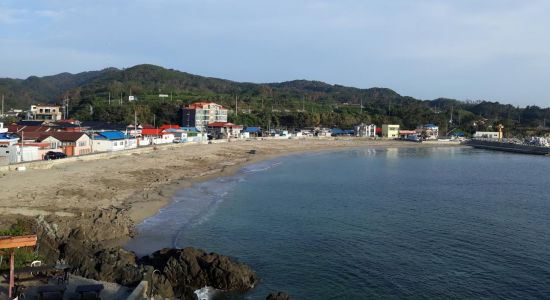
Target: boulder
(190, 269)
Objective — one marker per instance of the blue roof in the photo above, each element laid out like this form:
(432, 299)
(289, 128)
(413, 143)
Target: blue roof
(8, 136)
(112, 135)
(253, 129)
(429, 125)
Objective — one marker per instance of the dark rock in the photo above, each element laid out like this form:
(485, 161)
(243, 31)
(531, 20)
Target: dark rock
(190, 269)
(277, 296)
(109, 264)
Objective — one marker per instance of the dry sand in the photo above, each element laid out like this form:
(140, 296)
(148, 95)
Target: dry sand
(143, 183)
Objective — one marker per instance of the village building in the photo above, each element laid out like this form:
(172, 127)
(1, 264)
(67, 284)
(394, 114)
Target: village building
(390, 131)
(71, 143)
(108, 141)
(430, 132)
(155, 136)
(200, 114)
(224, 130)
(410, 135)
(252, 132)
(486, 135)
(364, 130)
(46, 112)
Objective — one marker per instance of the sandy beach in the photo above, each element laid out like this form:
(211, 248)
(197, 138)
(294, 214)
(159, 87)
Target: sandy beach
(142, 183)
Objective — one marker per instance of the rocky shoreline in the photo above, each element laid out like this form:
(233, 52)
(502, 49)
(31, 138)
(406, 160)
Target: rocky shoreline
(83, 243)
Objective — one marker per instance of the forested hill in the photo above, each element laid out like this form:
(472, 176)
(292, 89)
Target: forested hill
(298, 103)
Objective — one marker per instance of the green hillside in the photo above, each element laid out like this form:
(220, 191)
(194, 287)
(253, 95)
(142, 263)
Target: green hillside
(103, 95)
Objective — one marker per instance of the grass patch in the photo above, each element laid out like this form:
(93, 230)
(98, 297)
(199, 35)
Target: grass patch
(23, 256)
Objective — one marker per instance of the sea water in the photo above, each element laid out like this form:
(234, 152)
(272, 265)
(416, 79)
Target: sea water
(417, 223)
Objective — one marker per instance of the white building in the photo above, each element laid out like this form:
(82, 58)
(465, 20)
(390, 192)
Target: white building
(486, 135)
(364, 130)
(108, 141)
(46, 112)
(16, 154)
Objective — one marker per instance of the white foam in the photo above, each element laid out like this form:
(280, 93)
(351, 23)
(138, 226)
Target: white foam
(206, 293)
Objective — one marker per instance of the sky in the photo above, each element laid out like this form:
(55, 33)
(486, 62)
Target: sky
(497, 50)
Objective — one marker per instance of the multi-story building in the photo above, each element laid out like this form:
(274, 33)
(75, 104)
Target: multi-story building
(364, 130)
(46, 112)
(200, 114)
(390, 131)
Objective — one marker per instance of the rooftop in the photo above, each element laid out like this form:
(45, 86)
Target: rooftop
(201, 105)
(111, 135)
(223, 124)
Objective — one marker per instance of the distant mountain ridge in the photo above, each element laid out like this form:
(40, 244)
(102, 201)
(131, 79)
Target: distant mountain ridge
(21, 93)
(290, 103)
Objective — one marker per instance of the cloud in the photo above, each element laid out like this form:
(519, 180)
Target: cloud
(424, 48)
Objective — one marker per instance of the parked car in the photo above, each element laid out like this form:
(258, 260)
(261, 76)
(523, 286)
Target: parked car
(54, 155)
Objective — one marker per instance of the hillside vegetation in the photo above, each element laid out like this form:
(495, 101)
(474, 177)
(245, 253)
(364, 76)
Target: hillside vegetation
(103, 95)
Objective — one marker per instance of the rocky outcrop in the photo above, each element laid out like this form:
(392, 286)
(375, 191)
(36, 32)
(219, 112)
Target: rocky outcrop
(182, 271)
(172, 273)
(110, 264)
(277, 296)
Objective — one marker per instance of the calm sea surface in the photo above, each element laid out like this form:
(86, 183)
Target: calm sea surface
(446, 223)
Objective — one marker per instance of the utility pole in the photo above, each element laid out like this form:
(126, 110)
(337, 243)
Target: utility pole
(135, 124)
(22, 143)
(361, 105)
(2, 106)
(66, 106)
(303, 106)
(109, 98)
(236, 105)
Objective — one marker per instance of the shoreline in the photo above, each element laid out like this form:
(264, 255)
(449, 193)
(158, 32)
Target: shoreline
(140, 184)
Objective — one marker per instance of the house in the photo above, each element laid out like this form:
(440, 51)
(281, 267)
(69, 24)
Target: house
(156, 136)
(224, 130)
(410, 135)
(107, 141)
(364, 130)
(390, 131)
(187, 134)
(15, 153)
(8, 139)
(253, 131)
(341, 132)
(200, 114)
(486, 135)
(430, 132)
(46, 112)
(72, 143)
(102, 126)
(31, 123)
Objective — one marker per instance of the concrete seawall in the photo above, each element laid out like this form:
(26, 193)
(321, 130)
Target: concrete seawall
(47, 164)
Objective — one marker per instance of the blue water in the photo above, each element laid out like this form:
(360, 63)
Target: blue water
(445, 223)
